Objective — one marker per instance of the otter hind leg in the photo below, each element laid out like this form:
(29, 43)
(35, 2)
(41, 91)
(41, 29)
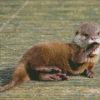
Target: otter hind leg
(50, 73)
(48, 69)
(52, 77)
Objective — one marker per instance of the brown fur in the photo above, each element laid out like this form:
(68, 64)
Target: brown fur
(38, 61)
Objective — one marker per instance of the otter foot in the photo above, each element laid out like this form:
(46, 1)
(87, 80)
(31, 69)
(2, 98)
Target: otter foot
(52, 77)
(89, 73)
(48, 77)
(63, 76)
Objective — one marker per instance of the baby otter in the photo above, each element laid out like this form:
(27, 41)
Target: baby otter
(53, 61)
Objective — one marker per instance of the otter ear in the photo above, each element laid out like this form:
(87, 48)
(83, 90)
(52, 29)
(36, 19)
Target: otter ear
(76, 32)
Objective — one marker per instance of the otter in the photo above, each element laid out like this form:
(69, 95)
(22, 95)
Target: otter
(54, 61)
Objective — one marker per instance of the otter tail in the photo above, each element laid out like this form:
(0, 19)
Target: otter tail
(20, 76)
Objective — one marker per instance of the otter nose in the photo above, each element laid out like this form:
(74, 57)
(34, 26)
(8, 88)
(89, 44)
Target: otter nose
(93, 38)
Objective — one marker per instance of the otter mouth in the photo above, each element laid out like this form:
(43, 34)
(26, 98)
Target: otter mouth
(96, 51)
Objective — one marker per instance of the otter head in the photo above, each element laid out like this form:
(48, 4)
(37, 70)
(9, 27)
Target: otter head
(87, 34)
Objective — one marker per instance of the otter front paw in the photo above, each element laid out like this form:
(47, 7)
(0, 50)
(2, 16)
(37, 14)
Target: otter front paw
(89, 73)
(91, 48)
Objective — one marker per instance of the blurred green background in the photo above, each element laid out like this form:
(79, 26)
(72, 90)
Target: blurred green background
(23, 23)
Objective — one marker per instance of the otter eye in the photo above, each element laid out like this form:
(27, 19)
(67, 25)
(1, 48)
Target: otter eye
(99, 33)
(86, 35)
(77, 32)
